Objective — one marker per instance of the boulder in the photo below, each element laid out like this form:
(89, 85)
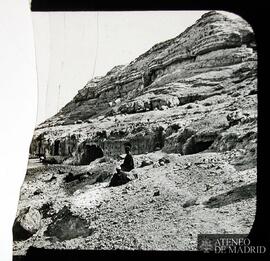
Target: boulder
(146, 163)
(235, 117)
(122, 178)
(26, 224)
(190, 202)
(163, 161)
(66, 225)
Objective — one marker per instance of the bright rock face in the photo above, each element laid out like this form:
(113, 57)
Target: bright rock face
(193, 81)
(26, 224)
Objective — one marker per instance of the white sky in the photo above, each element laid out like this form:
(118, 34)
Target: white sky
(66, 45)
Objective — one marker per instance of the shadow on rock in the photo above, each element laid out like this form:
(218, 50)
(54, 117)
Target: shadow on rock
(66, 226)
(26, 224)
(232, 196)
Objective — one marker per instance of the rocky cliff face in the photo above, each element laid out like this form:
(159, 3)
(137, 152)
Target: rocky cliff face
(194, 92)
(188, 108)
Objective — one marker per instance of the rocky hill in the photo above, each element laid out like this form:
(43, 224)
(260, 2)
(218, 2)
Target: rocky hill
(191, 100)
(184, 95)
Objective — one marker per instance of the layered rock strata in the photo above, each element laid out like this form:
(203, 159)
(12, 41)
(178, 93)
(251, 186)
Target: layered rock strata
(179, 96)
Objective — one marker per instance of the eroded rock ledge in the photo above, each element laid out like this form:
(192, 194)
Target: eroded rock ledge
(192, 93)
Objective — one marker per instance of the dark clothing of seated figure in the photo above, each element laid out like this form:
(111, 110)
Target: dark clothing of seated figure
(122, 177)
(128, 163)
(119, 178)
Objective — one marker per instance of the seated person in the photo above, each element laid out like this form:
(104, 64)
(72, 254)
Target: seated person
(128, 163)
(121, 175)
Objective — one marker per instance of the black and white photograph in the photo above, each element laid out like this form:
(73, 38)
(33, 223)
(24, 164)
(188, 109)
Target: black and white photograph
(146, 133)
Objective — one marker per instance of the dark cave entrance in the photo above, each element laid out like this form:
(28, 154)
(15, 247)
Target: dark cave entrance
(39, 148)
(159, 139)
(91, 153)
(196, 147)
(127, 144)
(56, 147)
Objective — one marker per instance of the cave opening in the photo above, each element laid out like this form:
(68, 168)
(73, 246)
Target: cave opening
(56, 147)
(39, 148)
(149, 77)
(127, 144)
(159, 138)
(91, 153)
(196, 147)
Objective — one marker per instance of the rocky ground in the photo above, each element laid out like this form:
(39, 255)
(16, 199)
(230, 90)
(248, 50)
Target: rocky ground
(165, 208)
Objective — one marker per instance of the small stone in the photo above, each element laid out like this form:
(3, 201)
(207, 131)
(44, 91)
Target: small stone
(190, 202)
(37, 192)
(156, 193)
(188, 164)
(207, 187)
(156, 165)
(164, 160)
(146, 163)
